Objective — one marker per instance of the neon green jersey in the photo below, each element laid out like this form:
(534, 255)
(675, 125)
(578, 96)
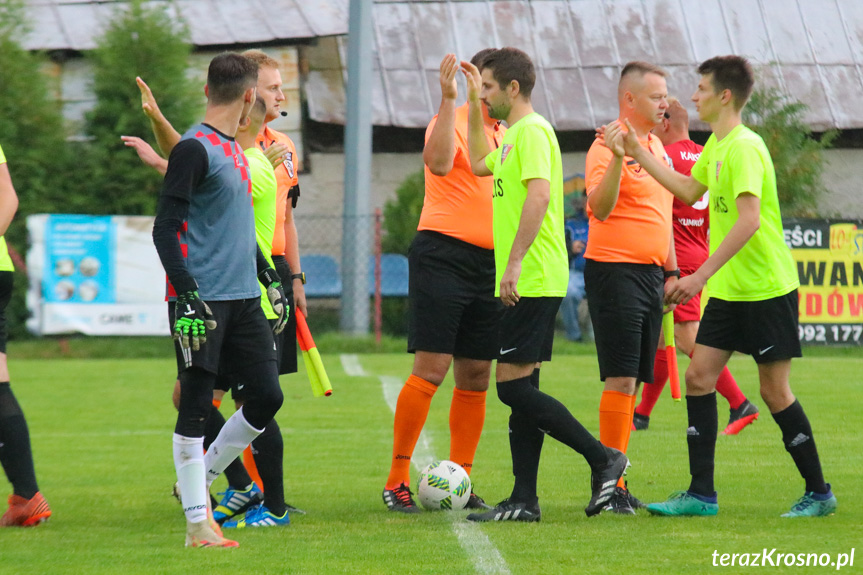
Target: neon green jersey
(763, 268)
(5, 260)
(264, 202)
(529, 150)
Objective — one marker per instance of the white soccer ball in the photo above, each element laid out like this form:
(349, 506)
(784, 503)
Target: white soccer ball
(444, 485)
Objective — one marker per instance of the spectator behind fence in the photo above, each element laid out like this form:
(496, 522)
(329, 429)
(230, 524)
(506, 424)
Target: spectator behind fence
(575, 230)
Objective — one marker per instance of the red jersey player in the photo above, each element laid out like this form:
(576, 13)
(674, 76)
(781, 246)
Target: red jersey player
(690, 224)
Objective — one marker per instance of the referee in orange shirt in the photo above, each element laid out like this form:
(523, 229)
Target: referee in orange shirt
(629, 256)
(452, 309)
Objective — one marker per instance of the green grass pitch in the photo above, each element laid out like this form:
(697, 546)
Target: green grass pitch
(101, 432)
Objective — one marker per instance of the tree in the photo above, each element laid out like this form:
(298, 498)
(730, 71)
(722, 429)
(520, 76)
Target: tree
(141, 40)
(33, 136)
(797, 154)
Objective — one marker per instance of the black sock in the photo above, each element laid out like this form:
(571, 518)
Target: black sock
(701, 437)
(268, 449)
(15, 454)
(237, 476)
(525, 444)
(800, 443)
(552, 417)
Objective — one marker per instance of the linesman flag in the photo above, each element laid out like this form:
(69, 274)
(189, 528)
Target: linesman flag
(312, 358)
(670, 354)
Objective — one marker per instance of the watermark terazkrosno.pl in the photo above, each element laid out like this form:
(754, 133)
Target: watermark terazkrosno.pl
(774, 558)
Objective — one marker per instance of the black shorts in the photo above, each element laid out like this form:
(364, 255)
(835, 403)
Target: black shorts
(527, 330)
(625, 303)
(766, 330)
(451, 303)
(242, 337)
(6, 282)
(286, 342)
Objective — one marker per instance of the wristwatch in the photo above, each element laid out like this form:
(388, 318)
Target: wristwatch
(300, 276)
(666, 273)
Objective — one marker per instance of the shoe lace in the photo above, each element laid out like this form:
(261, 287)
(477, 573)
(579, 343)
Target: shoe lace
(803, 503)
(404, 496)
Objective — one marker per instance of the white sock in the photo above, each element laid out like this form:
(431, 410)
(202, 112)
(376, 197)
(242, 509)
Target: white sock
(189, 462)
(235, 436)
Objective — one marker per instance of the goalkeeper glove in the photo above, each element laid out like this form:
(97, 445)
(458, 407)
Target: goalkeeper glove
(192, 320)
(276, 294)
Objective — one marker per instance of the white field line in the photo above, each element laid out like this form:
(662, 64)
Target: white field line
(486, 558)
(351, 365)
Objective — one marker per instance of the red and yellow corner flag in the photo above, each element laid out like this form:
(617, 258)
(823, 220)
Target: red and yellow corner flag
(312, 358)
(671, 354)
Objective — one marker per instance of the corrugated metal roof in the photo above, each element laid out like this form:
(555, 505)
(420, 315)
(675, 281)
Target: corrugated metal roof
(812, 50)
(74, 24)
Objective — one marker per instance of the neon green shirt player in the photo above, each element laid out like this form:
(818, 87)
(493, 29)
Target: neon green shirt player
(529, 150)
(5, 260)
(752, 280)
(532, 272)
(264, 203)
(763, 268)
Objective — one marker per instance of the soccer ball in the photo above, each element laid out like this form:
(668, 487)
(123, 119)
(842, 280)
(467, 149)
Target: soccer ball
(444, 485)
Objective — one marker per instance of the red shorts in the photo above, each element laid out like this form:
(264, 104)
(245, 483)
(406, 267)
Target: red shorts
(690, 311)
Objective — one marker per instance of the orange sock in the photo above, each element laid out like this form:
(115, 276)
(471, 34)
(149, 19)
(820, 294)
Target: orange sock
(615, 420)
(412, 409)
(251, 467)
(466, 418)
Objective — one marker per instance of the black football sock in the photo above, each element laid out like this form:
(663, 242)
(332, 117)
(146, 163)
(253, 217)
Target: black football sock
(800, 443)
(551, 417)
(268, 449)
(15, 454)
(525, 444)
(237, 476)
(701, 438)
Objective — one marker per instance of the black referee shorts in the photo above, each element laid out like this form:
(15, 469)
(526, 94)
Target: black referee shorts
(527, 330)
(451, 303)
(625, 303)
(242, 337)
(766, 330)
(6, 282)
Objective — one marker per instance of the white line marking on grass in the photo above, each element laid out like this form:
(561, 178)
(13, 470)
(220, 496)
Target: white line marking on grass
(351, 365)
(486, 558)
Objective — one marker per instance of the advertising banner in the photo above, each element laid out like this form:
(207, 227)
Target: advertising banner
(96, 275)
(829, 257)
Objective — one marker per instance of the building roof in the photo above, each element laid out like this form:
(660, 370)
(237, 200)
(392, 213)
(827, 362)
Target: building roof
(811, 50)
(75, 24)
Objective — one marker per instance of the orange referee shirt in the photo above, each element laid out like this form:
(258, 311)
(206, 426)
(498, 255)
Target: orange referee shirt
(459, 204)
(286, 178)
(639, 227)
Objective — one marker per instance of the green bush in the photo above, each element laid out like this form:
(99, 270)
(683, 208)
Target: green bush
(402, 215)
(797, 154)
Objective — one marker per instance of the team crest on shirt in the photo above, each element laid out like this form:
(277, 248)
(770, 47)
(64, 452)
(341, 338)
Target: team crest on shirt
(504, 152)
(718, 168)
(289, 163)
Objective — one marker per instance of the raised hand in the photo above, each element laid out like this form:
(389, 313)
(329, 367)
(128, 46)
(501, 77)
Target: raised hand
(148, 101)
(474, 80)
(147, 154)
(448, 70)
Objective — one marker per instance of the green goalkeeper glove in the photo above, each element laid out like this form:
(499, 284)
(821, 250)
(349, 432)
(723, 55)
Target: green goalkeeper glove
(276, 294)
(192, 320)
